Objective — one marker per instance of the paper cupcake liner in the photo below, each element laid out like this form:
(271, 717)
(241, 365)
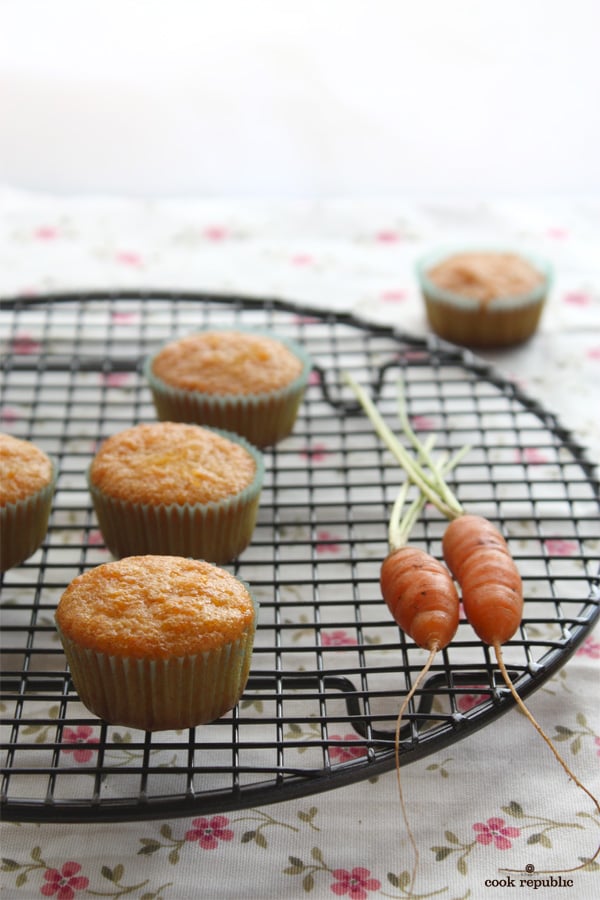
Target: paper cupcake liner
(24, 525)
(216, 532)
(263, 419)
(501, 322)
(483, 327)
(162, 694)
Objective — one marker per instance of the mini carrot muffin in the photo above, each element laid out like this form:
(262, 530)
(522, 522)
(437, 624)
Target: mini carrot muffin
(27, 482)
(245, 382)
(484, 298)
(157, 642)
(177, 489)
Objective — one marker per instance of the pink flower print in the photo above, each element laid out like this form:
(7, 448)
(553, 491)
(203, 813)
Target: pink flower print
(305, 320)
(347, 753)
(28, 291)
(314, 377)
(397, 295)
(355, 883)
(496, 832)
(597, 744)
(216, 233)
(8, 414)
(129, 258)
(387, 236)
(208, 832)
(593, 353)
(467, 701)
(337, 638)
(124, 318)
(531, 455)
(115, 379)
(64, 883)
(315, 452)
(590, 647)
(95, 539)
(326, 542)
(560, 547)
(302, 259)
(81, 735)
(557, 233)
(45, 233)
(415, 356)
(422, 423)
(577, 298)
(24, 345)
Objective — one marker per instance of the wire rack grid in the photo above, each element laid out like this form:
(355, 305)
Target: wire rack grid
(329, 667)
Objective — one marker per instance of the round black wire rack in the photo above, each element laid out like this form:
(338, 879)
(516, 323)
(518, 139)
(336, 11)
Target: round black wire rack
(330, 667)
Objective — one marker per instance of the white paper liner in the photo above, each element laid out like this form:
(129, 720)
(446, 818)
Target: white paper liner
(163, 694)
(24, 524)
(263, 419)
(216, 532)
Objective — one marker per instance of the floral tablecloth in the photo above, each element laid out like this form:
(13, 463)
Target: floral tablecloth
(476, 807)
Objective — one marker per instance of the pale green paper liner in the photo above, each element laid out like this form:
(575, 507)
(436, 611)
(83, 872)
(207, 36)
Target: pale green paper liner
(502, 322)
(263, 419)
(216, 532)
(162, 694)
(24, 524)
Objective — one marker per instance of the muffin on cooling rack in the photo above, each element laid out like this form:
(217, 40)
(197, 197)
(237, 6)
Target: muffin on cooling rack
(246, 382)
(178, 489)
(484, 298)
(27, 482)
(158, 642)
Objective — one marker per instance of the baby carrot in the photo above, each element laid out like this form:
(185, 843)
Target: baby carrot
(492, 591)
(479, 558)
(423, 601)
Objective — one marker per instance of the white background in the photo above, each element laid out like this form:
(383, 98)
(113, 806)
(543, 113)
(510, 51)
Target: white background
(266, 98)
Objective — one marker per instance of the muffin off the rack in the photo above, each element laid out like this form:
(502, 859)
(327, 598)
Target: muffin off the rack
(484, 298)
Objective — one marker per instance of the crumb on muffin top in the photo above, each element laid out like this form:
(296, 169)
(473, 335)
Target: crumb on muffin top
(155, 607)
(227, 362)
(24, 469)
(485, 275)
(171, 463)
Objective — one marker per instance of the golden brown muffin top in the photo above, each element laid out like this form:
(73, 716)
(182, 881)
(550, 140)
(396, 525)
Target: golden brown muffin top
(24, 469)
(485, 275)
(155, 607)
(171, 462)
(227, 362)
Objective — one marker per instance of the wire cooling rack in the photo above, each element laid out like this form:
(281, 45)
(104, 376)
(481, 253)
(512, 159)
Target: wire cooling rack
(330, 667)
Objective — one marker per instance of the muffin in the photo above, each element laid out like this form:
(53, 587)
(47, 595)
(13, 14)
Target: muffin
(157, 642)
(241, 381)
(484, 298)
(27, 482)
(176, 489)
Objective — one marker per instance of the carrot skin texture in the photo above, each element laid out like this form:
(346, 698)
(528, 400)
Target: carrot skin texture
(421, 596)
(492, 591)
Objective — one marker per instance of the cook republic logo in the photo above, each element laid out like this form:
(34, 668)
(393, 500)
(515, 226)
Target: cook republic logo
(528, 879)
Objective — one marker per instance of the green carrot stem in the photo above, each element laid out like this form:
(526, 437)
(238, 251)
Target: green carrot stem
(400, 528)
(412, 468)
(444, 491)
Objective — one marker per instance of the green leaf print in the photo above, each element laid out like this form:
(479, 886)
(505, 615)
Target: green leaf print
(308, 883)
(149, 846)
(513, 809)
(296, 866)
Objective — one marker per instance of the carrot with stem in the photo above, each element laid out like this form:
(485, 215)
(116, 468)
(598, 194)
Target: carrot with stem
(423, 600)
(479, 559)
